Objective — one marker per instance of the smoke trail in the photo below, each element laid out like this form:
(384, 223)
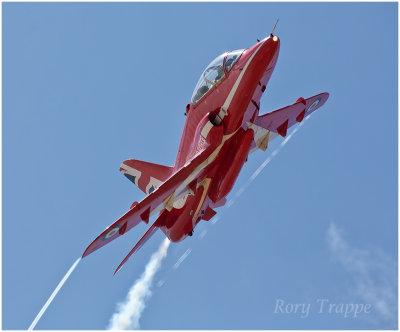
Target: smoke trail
(273, 154)
(129, 313)
(131, 310)
(53, 295)
(187, 252)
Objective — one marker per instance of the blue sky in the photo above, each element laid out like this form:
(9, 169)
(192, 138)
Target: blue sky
(88, 85)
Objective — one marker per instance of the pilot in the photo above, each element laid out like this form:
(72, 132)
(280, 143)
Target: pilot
(200, 93)
(228, 64)
(220, 74)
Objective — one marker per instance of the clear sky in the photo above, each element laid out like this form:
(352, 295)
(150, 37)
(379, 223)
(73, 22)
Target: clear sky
(89, 85)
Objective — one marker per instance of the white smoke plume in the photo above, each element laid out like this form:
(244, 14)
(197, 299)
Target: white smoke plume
(374, 274)
(53, 295)
(129, 312)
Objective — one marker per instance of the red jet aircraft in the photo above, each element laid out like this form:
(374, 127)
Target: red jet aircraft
(222, 128)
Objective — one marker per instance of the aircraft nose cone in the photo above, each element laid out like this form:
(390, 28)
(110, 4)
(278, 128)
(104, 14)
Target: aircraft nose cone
(271, 42)
(266, 55)
(271, 45)
(274, 43)
(276, 40)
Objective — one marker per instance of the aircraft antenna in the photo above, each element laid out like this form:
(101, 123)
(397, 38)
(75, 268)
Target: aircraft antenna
(274, 28)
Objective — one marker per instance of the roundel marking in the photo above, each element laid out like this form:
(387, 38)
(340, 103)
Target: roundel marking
(111, 232)
(313, 105)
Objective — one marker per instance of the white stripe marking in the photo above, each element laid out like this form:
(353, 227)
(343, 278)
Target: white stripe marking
(133, 172)
(206, 129)
(235, 86)
(153, 182)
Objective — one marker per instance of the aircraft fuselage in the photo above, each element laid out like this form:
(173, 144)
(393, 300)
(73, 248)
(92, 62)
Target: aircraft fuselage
(233, 102)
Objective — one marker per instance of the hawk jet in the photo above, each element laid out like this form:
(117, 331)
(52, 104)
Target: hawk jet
(223, 127)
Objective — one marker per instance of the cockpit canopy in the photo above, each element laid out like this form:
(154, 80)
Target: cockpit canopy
(231, 59)
(213, 73)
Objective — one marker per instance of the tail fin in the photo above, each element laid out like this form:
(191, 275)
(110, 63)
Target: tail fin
(147, 176)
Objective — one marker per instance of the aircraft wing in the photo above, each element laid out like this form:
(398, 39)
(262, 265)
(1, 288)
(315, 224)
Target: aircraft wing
(153, 228)
(161, 198)
(270, 125)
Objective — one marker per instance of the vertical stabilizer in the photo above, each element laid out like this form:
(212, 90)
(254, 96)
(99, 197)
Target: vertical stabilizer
(146, 176)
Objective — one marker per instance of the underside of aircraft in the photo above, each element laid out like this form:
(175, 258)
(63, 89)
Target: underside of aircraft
(223, 127)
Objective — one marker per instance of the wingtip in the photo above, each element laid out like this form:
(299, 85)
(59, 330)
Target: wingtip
(86, 252)
(117, 270)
